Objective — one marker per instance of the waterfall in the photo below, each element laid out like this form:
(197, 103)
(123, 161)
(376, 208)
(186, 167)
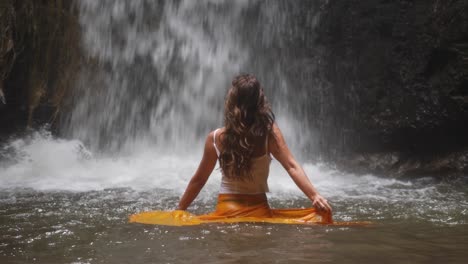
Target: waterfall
(160, 70)
(154, 86)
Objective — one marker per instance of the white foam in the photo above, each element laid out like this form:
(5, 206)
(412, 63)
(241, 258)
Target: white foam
(46, 163)
(43, 162)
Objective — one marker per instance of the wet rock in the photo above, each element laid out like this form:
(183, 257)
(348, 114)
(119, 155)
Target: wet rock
(402, 165)
(39, 57)
(396, 73)
(2, 97)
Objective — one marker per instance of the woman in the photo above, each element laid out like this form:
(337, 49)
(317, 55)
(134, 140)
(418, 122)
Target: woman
(243, 147)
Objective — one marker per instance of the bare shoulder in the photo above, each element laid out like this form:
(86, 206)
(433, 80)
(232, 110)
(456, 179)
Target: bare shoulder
(276, 139)
(275, 134)
(214, 137)
(275, 130)
(217, 134)
(210, 137)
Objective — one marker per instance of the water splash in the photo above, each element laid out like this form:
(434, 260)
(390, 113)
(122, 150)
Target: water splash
(42, 162)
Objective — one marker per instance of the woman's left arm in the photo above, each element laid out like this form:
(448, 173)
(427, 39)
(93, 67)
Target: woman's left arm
(281, 152)
(202, 174)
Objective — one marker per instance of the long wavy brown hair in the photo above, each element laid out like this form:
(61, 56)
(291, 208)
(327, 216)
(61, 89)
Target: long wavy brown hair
(248, 120)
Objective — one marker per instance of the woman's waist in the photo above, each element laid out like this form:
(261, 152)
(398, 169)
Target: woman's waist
(255, 185)
(243, 189)
(242, 198)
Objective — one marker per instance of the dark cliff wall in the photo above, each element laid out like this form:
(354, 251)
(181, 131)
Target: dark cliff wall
(397, 79)
(39, 55)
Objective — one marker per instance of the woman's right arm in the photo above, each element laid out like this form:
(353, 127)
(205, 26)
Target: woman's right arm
(200, 177)
(278, 147)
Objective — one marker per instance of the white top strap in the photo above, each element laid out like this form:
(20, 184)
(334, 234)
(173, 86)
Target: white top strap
(214, 142)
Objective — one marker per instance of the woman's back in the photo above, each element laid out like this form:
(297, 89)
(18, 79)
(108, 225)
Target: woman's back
(256, 180)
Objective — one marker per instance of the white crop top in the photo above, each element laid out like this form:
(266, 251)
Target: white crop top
(258, 184)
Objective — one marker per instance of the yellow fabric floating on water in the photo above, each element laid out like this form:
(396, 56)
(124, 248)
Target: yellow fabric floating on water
(184, 218)
(235, 208)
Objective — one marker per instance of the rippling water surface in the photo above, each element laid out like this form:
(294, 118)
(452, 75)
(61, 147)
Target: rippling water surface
(61, 204)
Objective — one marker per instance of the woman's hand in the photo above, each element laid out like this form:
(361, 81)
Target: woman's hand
(321, 204)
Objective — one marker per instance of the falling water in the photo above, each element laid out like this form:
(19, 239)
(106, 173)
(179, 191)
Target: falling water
(164, 69)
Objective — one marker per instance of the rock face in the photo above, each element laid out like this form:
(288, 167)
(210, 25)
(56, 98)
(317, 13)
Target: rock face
(397, 76)
(39, 55)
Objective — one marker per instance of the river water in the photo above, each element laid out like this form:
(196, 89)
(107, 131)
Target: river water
(133, 139)
(61, 204)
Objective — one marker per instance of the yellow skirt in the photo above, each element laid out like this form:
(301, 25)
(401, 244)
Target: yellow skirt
(235, 208)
